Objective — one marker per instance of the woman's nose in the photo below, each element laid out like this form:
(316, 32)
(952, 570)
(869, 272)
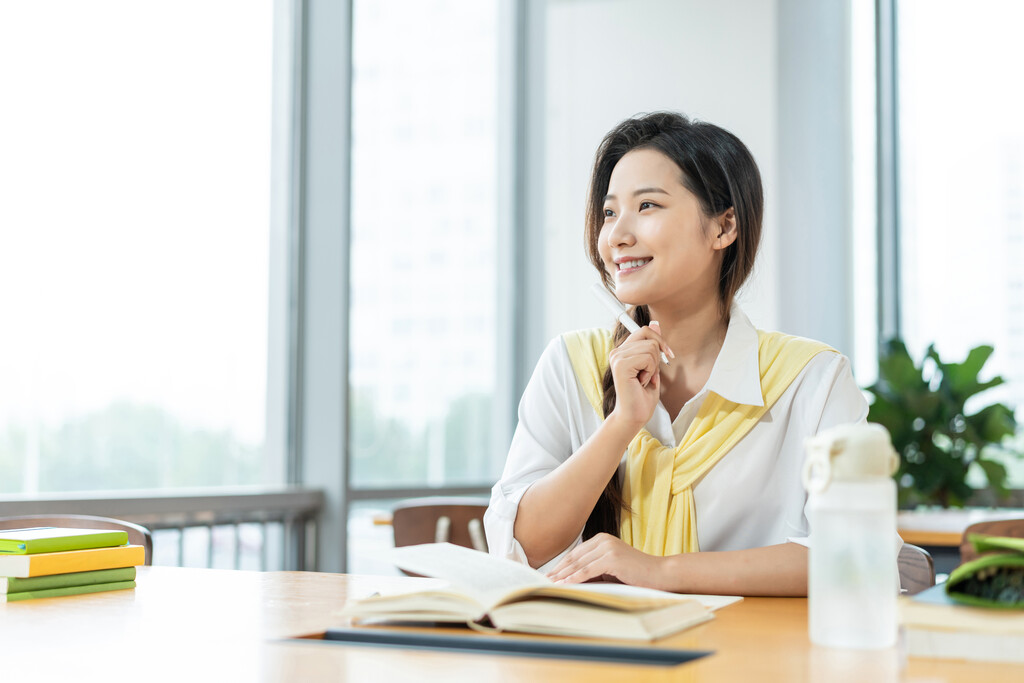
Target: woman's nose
(621, 234)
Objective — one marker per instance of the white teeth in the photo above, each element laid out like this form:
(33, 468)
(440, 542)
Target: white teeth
(636, 263)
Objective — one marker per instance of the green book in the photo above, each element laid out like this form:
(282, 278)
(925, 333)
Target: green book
(67, 590)
(49, 539)
(37, 583)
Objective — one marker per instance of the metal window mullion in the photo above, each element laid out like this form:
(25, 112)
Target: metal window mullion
(346, 257)
(296, 244)
(887, 72)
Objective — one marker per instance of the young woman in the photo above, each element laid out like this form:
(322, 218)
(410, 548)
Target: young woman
(623, 467)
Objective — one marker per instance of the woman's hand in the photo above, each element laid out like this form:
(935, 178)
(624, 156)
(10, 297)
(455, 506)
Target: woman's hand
(605, 556)
(636, 371)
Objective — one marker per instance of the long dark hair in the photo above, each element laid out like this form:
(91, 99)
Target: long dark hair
(721, 172)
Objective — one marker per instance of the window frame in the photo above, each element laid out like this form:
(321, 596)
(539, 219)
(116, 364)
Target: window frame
(319, 241)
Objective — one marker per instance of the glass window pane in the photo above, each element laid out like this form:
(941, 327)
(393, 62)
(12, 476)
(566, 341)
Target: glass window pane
(424, 288)
(961, 122)
(370, 535)
(134, 232)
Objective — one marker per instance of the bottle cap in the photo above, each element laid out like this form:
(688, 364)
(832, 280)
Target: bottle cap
(848, 452)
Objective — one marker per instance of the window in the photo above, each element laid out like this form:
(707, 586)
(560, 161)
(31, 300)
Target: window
(135, 162)
(425, 382)
(961, 184)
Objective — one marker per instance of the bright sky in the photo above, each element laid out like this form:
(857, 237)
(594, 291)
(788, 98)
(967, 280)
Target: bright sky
(134, 208)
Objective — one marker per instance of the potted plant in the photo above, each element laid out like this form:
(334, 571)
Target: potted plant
(923, 407)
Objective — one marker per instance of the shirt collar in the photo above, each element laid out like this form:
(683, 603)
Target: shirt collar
(736, 375)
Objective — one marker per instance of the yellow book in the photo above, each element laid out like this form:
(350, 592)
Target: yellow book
(46, 564)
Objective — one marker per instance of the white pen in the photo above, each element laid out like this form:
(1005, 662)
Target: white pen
(618, 310)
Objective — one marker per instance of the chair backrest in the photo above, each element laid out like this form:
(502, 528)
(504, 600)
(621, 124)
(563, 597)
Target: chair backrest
(440, 519)
(1001, 527)
(137, 535)
(917, 570)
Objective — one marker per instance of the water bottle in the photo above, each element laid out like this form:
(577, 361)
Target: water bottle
(853, 580)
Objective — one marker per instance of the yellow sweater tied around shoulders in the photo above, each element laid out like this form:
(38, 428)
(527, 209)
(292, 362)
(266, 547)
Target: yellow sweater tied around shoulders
(658, 485)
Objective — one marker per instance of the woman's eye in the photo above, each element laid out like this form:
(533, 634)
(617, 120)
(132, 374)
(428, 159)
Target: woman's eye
(608, 213)
(646, 205)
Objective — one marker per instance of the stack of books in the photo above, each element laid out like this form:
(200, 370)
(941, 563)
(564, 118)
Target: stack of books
(45, 562)
(937, 626)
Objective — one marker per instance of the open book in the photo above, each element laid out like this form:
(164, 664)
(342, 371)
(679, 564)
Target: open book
(514, 597)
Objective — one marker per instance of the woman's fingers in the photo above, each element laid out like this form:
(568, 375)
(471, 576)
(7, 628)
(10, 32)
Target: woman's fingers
(581, 564)
(608, 556)
(639, 359)
(636, 366)
(656, 326)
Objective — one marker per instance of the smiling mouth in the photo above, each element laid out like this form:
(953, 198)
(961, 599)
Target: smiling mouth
(630, 266)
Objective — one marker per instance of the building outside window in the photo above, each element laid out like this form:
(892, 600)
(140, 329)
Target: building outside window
(426, 367)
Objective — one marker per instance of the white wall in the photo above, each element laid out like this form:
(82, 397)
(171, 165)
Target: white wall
(815, 171)
(609, 59)
(775, 73)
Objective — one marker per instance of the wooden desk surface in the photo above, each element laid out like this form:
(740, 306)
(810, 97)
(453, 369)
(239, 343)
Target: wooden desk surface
(946, 527)
(203, 624)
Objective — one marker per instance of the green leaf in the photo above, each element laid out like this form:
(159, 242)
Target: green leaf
(993, 422)
(922, 406)
(966, 374)
(995, 473)
(896, 369)
(894, 418)
(960, 380)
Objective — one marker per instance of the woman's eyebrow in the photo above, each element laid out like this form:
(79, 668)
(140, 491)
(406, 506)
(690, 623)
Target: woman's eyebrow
(637, 193)
(649, 190)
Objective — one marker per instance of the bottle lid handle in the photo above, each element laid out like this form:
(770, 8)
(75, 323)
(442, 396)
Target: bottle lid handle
(817, 473)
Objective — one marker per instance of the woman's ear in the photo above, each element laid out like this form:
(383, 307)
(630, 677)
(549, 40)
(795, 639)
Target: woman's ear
(725, 226)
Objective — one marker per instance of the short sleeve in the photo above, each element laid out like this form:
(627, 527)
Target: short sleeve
(542, 441)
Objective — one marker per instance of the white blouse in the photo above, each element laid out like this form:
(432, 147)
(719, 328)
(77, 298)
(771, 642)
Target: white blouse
(753, 497)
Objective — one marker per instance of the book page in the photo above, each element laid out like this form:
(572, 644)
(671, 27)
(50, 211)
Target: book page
(492, 580)
(484, 577)
(559, 617)
(626, 597)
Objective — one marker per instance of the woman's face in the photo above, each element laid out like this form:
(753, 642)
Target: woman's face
(654, 243)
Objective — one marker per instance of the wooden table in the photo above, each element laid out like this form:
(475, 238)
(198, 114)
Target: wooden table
(203, 624)
(940, 531)
(946, 527)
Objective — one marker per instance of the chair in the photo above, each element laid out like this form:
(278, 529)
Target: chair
(917, 570)
(137, 535)
(439, 520)
(1001, 527)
